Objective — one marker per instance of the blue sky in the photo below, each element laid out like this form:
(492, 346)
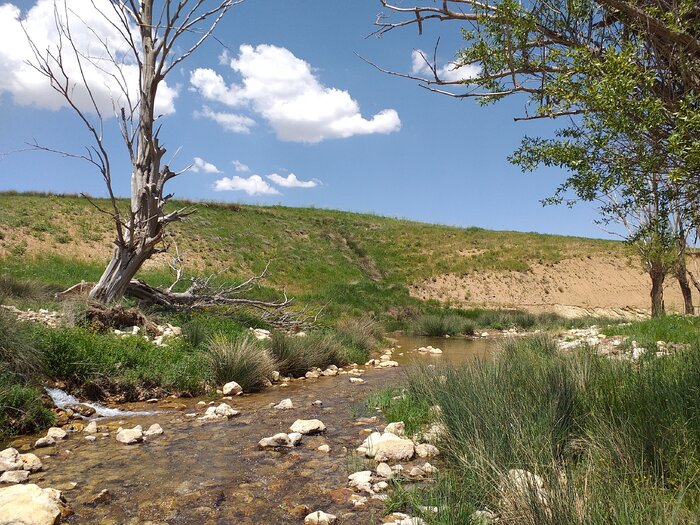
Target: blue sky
(446, 162)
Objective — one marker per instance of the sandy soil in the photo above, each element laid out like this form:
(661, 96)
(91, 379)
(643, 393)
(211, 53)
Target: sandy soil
(593, 285)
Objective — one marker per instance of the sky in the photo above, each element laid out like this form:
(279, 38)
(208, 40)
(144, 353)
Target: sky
(279, 109)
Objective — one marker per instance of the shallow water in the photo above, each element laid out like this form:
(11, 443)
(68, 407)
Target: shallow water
(61, 399)
(455, 350)
(213, 473)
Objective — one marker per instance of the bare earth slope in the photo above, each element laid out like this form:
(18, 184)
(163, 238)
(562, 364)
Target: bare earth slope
(589, 285)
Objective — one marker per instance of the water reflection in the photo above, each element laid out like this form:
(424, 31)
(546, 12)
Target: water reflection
(455, 350)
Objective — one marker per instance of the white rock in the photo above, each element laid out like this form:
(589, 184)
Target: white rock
(435, 432)
(360, 478)
(91, 428)
(280, 440)
(90, 437)
(232, 389)
(312, 374)
(397, 428)
(29, 505)
(10, 460)
(380, 486)
(30, 462)
(483, 517)
(261, 334)
(317, 403)
(429, 469)
(12, 477)
(329, 372)
(285, 404)
(44, 442)
(154, 430)
(129, 436)
(319, 518)
(384, 471)
(56, 433)
(224, 410)
(387, 447)
(308, 426)
(275, 376)
(416, 472)
(357, 380)
(387, 364)
(425, 450)
(357, 500)
(518, 488)
(324, 448)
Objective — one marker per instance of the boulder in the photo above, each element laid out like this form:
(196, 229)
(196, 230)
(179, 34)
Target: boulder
(154, 430)
(10, 460)
(30, 462)
(129, 436)
(44, 442)
(13, 477)
(308, 426)
(91, 428)
(361, 480)
(387, 447)
(83, 410)
(324, 448)
(384, 471)
(425, 450)
(398, 428)
(319, 518)
(281, 440)
(29, 505)
(232, 389)
(56, 433)
(285, 404)
(312, 374)
(387, 364)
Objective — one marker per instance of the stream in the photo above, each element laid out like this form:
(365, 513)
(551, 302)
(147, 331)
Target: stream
(213, 472)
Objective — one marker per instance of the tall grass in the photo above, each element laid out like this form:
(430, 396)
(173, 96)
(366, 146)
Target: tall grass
(297, 355)
(239, 358)
(614, 441)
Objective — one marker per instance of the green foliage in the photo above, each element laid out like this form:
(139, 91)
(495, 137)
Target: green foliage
(438, 325)
(297, 355)
(18, 353)
(128, 366)
(671, 329)
(614, 441)
(21, 407)
(239, 358)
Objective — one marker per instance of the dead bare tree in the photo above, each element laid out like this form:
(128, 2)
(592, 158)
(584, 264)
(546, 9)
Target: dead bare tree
(156, 35)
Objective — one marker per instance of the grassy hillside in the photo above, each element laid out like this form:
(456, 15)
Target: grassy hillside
(349, 261)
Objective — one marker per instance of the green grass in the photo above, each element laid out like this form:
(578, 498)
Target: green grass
(671, 329)
(614, 441)
(240, 358)
(345, 262)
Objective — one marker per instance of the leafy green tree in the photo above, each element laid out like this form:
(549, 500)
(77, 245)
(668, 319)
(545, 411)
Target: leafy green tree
(625, 74)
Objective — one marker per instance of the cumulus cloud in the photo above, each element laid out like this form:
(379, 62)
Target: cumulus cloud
(229, 121)
(240, 167)
(89, 29)
(253, 185)
(284, 91)
(291, 181)
(201, 165)
(451, 72)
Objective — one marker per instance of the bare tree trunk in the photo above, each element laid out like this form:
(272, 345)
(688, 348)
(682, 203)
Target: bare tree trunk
(657, 274)
(118, 274)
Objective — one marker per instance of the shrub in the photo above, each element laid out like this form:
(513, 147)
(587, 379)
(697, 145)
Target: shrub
(297, 355)
(364, 333)
(22, 289)
(439, 325)
(239, 358)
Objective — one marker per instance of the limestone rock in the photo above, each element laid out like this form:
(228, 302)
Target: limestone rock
(387, 364)
(29, 505)
(319, 518)
(308, 426)
(154, 430)
(56, 433)
(398, 428)
(83, 410)
(384, 471)
(518, 488)
(285, 404)
(312, 374)
(30, 462)
(232, 389)
(361, 480)
(129, 436)
(44, 442)
(425, 450)
(10, 460)
(91, 428)
(387, 447)
(357, 380)
(324, 448)
(280, 440)
(13, 477)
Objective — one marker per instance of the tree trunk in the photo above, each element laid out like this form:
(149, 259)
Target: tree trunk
(657, 274)
(682, 276)
(116, 278)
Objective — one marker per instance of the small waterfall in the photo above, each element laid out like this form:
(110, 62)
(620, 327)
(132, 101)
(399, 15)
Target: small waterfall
(61, 399)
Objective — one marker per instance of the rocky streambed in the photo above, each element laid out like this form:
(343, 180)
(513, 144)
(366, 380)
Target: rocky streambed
(213, 470)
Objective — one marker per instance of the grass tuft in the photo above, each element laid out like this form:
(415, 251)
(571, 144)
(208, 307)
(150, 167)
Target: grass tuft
(239, 358)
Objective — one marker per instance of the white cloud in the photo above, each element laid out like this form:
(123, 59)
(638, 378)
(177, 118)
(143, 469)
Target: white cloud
(284, 90)
(240, 167)
(89, 28)
(253, 185)
(291, 181)
(451, 72)
(229, 121)
(201, 165)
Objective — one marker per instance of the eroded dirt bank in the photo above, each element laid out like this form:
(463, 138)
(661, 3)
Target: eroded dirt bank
(592, 285)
